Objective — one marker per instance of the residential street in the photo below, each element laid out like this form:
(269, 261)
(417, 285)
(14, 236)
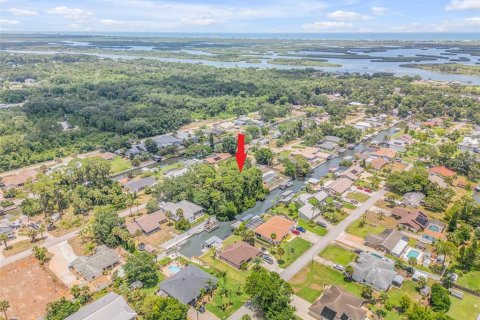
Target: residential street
(332, 234)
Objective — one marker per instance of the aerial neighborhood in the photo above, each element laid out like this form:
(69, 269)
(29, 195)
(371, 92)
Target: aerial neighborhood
(358, 198)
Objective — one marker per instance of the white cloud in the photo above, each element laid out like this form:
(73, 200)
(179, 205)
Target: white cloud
(326, 25)
(463, 5)
(347, 16)
(379, 11)
(199, 21)
(22, 12)
(8, 22)
(71, 13)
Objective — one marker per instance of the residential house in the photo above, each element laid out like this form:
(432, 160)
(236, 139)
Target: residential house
(277, 225)
(188, 284)
(337, 304)
(217, 158)
(139, 185)
(167, 140)
(379, 273)
(269, 177)
(148, 224)
(398, 145)
(19, 179)
(213, 242)
(386, 153)
(321, 196)
(5, 228)
(438, 180)
(378, 163)
(191, 211)
(111, 306)
(352, 173)
(333, 139)
(239, 253)
(92, 267)
(413, 199)
(308, 212)
(303, 198)
(442, 171)
(363, 125)
(328, 146)
(339, 186)
(390, 241)
(411, 220)
(430, 237)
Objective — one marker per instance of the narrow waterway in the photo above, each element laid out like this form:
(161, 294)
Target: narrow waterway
(193, 246)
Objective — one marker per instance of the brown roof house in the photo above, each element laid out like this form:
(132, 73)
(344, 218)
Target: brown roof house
(277, 225)
(442, 171)
(378, 163)
(336, 304)
(390, 241)
(386, 153)
(339, 186)
(352, 173)
(412, 220)
(239, 253)
(148, 224)
(19, 179)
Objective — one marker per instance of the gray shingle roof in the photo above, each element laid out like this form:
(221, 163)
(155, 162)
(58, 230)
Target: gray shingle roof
(375, 272)
(111, 307)
(93, 266)
(189, 208)
(138, 185)
(186, 285)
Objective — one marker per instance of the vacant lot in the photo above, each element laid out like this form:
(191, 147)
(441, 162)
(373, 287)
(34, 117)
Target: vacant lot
(358, 196)
(374, 224)
(293, 249)
(29, 287)
(310, 282)
(120, 164)
(321, 231)
(337, 254)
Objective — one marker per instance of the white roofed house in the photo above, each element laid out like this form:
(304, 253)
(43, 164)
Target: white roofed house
(378, 273)
(191, 211)
(111, 306)
(308, 212)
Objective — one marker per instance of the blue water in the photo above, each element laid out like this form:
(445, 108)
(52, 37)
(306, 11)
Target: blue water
(174, 269)
(413, 254)
(434, 228)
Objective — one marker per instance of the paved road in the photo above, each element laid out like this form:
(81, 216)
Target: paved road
(49, 242)
(134, 209)
(332, 234)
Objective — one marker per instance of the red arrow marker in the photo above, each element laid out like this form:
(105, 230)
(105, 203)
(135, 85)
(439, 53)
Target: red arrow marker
(240, 155)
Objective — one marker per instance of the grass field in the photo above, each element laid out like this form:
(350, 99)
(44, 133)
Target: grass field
(466, 309)
(338, 254)
(293, 250)
(358, 230)
(310, 282)
(321, 231)
(358, 196)
(235, 280)
(119, 164)
(470, 280)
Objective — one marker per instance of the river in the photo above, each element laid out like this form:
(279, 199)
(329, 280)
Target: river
(193, 246)
(361, 66)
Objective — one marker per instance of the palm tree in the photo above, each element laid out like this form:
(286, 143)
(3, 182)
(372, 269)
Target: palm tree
(41, 230)
(4, 305)
(168, 214)
(273, 236)
(4, 238)
(280, 252)
(256, 263)
(349, 271)
(136, 202)
(137, 234)
(179, 213)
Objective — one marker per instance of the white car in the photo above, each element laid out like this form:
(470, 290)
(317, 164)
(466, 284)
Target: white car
(339, 267)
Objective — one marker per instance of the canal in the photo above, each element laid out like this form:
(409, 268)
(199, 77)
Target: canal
(193, 246)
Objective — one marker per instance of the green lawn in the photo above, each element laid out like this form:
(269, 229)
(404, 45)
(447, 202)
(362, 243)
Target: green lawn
(470, 280)
(235, 280)
(321, 231)
(120, 164)
(358, 196)
(231, 240)
(310, 282)
(356, 229)
(338, 254)
(466, 309)
(293, 250)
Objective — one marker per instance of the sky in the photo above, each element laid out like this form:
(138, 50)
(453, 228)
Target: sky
(241, 16)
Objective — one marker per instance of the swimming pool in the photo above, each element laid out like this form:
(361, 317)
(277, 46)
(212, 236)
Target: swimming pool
(434, 228)
(413, 254)
(174, 269)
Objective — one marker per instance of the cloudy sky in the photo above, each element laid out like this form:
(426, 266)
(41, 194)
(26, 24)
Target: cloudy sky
(241, 15)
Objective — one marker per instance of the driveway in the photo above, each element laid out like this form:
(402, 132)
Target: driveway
(310, 237)
(194, 315)
(63, 255)
(301, 307)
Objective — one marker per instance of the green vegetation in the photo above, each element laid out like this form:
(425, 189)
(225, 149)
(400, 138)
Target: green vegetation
(451, 68)
(470, 280)
(358, 196)
(309, 283)
(303, 62)
(467, 308)
(312, 227)
(292, 250)
(338, 254)
(119, 164)
(362, 229)
(141, 266)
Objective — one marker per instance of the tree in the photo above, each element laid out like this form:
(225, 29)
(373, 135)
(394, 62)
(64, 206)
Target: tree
(104, 221)
(182, 224)
(151, 146)
(439, 298)
(4, 238)
(81, 293)
(152, 205)
(4, 305)
(280, 252)
(30, 207)
(273, 236)
(271, 294)
(40, 253)
(163, 308)
(229, 145)
(367, 292)
(169, 215)
(404, 303)
(141, 266)
(61, 309)
(32, 234)
(422, 282)
(349, 272)
(264, 156)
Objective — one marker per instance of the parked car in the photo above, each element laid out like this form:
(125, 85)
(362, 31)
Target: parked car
(358, 251)
(367, 190)
(321, 224)
(354, 201)
(339, 267)
(295, 231)
(301, 229)
(267, 259)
